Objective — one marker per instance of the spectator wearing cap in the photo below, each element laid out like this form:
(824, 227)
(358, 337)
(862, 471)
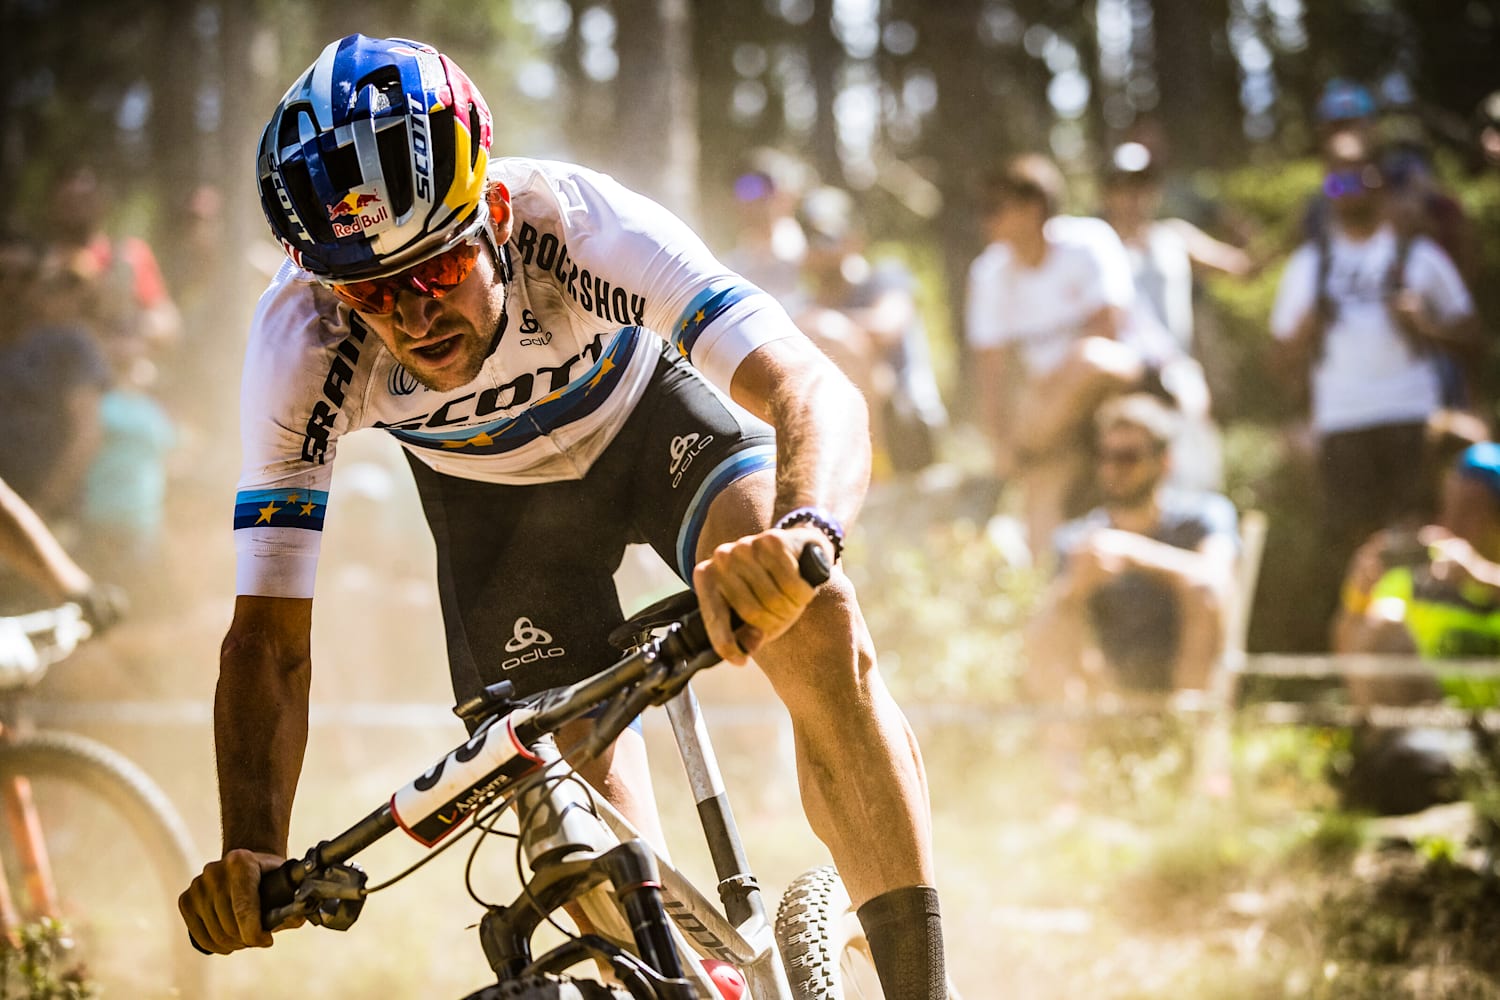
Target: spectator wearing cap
(1346, 104)
(1364, 318)
(1048, 301)
(864, 315)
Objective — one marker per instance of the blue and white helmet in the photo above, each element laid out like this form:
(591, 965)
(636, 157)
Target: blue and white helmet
(375, 159)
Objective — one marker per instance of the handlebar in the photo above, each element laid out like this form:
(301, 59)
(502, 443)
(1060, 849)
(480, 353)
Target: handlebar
(322, 887)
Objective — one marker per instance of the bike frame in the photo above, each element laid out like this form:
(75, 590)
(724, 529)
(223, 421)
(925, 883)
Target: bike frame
(572, 837)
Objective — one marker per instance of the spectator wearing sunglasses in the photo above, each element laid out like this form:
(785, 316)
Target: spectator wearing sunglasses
(1137, 609)
(1364, 319)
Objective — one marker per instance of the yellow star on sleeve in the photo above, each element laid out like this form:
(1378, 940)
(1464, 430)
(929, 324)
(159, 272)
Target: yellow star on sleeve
(293, 497)
(308, 508)
(698, 318)
(604, 367)
(267, 512)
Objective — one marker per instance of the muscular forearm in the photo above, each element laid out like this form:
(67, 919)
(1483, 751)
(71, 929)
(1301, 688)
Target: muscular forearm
(822, 447)
(822, 428)
(260, 735)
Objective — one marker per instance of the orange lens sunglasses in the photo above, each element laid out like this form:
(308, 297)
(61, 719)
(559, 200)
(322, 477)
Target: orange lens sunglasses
(433, 277)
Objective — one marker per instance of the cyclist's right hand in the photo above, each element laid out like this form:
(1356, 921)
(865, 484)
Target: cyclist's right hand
(222, 906)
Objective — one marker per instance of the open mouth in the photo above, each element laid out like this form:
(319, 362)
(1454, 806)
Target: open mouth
(439, 353)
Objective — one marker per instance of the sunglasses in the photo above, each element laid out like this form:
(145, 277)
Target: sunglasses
(1343, 183)
(434, 277)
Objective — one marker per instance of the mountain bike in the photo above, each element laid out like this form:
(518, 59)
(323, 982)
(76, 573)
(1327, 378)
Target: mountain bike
(653, 933)
(90, 840)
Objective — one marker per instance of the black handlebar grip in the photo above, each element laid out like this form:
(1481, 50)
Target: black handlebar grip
(278, 887)
(813, 564)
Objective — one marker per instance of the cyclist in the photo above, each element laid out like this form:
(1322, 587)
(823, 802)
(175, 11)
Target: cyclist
(499, 318)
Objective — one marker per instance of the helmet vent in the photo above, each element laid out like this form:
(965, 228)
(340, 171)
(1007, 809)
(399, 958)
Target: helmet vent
(310, 210)
(393, 145)
(475, 124)
(443, 141)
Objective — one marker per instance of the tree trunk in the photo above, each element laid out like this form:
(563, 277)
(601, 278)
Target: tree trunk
(1198, 79)
(656, 143)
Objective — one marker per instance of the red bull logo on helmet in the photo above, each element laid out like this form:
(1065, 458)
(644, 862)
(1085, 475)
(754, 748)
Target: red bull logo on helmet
(358, 212)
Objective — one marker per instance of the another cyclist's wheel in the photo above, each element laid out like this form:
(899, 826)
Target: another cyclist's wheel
(118, 854)
(822, 942)
(549, 988)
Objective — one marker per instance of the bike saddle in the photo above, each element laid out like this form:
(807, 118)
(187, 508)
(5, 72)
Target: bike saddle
(664, 612)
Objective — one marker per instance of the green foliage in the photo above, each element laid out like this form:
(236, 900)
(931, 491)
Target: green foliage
(41, 966)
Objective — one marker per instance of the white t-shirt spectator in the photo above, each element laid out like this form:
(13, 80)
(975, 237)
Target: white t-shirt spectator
(1042, 309)
(1369, 375)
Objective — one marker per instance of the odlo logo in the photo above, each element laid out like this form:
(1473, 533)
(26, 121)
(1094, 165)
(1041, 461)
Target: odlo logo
(532, 639)
(684, 450)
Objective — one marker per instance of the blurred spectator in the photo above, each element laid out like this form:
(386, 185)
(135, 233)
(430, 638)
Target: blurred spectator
(1346, 105)
(769, 243)
(1437, 595)
(1440, 596)
(1361, 316)
(1047, 300)
(115, 287)
(1163, 255)
(1449, 434)
(52, 377)
(1139, 604)
(124, 497)
(865, 317)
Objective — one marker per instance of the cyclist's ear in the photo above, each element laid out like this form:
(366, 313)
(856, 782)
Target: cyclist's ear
(498, 198)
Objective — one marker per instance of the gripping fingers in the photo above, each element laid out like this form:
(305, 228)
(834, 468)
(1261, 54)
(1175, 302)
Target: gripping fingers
(221, 909)
(715, 611)
(758, 578)
(244, 894)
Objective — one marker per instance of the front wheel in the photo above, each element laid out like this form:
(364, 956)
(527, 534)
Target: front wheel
(549, 988)
(822, 942)
(93, 841)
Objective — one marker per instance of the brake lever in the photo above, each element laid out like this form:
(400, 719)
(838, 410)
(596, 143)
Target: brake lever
(333, 899)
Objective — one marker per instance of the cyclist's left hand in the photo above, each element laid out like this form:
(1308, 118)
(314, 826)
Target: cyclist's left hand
(757, 577)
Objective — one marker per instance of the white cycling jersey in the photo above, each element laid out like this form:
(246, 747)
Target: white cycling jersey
(595, 269)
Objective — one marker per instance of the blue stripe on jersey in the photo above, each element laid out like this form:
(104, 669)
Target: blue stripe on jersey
(707, 306)
(574, 401)
(290, 508)
(736, 466)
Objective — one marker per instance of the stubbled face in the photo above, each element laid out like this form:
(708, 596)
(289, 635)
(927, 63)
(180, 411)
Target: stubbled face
(444, 342)
(1130, 466)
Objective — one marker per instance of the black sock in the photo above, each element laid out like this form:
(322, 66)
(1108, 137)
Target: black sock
(905, 932)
